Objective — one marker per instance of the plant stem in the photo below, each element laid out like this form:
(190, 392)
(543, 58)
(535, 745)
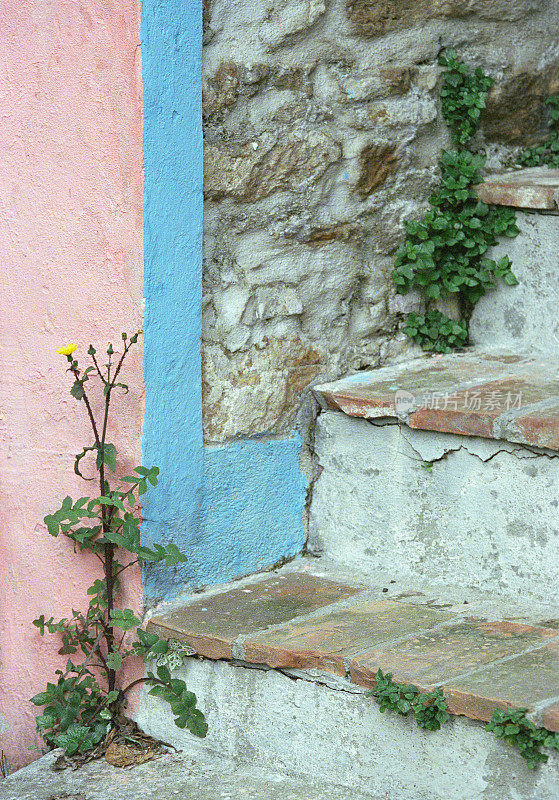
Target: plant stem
(76, 374)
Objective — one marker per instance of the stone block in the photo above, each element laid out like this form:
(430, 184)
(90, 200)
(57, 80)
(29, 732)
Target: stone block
(526, 681)
(515, 112)
(524, 318)
(436, 508)
(257, 169)
(287, 17)
(498, 10)
(473, 394)
(378, 17)
(376, 163)
(255, 391)
(527, 188)
(336, 735)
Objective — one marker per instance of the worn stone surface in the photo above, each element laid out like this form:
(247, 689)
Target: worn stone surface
(377, 163)
(212, 625)
(515, 110)
(262, 167)
(170, 776)
(332, 734)
(488, 394)
(378, 17)
(491, 9)
(257, 390)
(326, 640)
(287, 17)
(525, 681)
(440, 508)
(524, 317)
(315, 626)
(550, 717)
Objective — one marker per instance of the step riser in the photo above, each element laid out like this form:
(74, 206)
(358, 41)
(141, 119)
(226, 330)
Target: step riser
(524, 318)
(268, 720)
(481, 517)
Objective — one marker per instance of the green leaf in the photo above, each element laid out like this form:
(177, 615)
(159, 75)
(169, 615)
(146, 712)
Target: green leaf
(142, 471)
(107, 456)
(42, 698)
(160, 646)
(174, 555)
(114, 660)
(124, 619)
(77, 390)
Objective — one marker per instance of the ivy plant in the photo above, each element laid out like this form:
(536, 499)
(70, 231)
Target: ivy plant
(444, 253)
(514, 727)
(85, 702)
(547, 152)
(463, 97)
(431, 712)
(429, 708)
(435, 332)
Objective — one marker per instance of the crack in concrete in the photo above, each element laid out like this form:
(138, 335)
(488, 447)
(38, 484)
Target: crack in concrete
(514, 451)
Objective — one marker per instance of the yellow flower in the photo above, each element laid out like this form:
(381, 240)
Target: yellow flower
(68, 350)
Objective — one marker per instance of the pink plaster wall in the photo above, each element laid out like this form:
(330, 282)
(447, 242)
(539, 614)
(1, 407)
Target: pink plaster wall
(71, 261)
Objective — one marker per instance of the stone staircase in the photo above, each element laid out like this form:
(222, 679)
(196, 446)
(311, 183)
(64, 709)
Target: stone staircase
(435, 516)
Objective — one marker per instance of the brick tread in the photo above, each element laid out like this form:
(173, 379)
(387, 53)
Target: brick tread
(299, 620)
(494, 395)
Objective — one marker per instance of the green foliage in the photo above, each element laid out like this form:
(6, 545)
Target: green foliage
(430, 708)
(435, 332)
(444, 252)
(514, 727)
(546, 153)
(182, 702)
(86, 702)
(4, 765)
(431, 712)
(463, 97)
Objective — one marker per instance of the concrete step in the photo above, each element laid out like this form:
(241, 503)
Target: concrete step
(170, 777)
(444, 469)
(524, 317)
(284, 660)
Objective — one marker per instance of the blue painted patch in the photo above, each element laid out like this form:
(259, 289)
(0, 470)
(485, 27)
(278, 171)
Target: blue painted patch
(236, 508)
(253, 511)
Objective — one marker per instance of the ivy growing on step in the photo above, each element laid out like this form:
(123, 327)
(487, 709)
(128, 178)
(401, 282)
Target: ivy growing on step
(514, 727)
(444, 254)
(430, 708)
(431, 712)
(547, 152)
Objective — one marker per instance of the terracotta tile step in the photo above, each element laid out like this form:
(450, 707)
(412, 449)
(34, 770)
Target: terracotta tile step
(295, 619)
(475, 393)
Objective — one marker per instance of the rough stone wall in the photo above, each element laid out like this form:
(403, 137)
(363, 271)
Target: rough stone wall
(322, 132)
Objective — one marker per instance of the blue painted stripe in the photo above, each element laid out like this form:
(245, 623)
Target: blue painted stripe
(171, 36)
(236, 508)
